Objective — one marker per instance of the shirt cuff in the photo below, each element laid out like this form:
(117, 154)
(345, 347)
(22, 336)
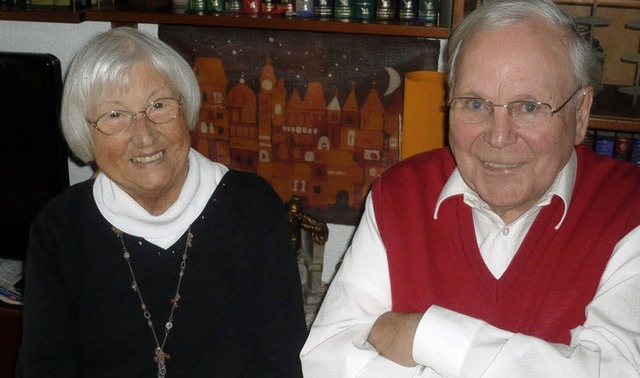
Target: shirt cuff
(443, 339)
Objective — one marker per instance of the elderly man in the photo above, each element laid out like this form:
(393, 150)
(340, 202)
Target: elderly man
(513, 253)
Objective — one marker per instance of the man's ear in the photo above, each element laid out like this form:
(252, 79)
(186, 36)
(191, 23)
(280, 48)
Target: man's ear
(583, 110)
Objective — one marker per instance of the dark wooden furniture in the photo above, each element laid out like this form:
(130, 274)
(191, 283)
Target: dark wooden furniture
(10, 334)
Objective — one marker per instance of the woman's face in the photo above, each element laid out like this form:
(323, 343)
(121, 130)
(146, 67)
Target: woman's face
(148, 160)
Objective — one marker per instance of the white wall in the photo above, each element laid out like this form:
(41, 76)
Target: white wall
(62, 40)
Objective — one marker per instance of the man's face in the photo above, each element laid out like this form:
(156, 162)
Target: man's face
(511, 166)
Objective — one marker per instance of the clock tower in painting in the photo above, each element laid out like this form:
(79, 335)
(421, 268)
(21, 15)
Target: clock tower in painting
(266, 110)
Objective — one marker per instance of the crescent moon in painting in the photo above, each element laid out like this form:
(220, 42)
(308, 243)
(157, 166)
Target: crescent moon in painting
(394, 80)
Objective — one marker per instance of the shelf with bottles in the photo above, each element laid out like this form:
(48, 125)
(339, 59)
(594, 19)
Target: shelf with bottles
(120, 12)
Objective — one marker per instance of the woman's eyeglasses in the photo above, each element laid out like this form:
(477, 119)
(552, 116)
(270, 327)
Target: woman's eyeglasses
(115, 122)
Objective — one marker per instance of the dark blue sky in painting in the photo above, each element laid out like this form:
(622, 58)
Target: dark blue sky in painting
(299, 57)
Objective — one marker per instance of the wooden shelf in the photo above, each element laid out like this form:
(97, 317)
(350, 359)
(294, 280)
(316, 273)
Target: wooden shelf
(122, 14)
(267, 22)
(613, 110)
(10, 334)
(40, 14)
(614, 124)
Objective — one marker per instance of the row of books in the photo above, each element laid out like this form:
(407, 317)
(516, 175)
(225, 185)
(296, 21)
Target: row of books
(618, 145)
(11, 281)
(424, 12)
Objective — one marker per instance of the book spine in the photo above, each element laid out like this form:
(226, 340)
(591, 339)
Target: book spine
(323, 8)
(344, 9)
(365, 10)
(214, 6)
(428, 11)
(304, 8)
(251, 7)
(268, 7)
(286, 7)
(446, 13)
(589, 138)
(386, 9)
(232, 6)
(407, 10)
(623, 146)
(197, 5)
(604, 143)
(634, 154)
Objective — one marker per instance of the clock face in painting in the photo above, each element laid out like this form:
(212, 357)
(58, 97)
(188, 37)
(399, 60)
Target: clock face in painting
(267, 85)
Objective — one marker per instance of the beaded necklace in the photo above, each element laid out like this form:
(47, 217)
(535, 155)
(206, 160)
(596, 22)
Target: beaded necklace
(160, 356)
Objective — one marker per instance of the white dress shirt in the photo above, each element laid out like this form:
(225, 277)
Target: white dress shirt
(451, 344)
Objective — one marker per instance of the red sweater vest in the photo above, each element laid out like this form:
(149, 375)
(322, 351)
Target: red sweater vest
(554, 274)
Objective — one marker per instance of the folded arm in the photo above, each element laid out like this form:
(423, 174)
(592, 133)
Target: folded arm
(337, 345)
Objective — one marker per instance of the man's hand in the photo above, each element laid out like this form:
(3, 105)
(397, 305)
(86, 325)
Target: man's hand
(392, 335)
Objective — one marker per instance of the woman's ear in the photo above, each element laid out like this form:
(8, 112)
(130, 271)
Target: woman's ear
(583, 109)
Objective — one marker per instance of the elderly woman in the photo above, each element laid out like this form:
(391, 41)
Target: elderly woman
(165, 263)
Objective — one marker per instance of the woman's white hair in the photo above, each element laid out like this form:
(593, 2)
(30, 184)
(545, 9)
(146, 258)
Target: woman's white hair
(105, 63)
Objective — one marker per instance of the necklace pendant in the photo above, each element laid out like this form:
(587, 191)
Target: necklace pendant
(160, 359)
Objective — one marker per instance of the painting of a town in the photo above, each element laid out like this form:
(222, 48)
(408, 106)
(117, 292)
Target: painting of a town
(317, 115)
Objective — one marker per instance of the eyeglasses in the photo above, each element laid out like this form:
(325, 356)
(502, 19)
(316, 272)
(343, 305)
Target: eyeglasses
(522, 113)
(115, 122)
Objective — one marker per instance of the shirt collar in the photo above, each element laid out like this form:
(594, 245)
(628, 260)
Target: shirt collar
(562, 187)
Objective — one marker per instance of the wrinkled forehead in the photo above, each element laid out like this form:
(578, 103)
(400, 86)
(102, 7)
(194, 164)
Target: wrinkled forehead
(531, 49)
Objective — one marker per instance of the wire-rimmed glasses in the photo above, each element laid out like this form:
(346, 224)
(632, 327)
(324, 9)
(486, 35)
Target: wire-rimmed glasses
(522, 113)
(163, 110)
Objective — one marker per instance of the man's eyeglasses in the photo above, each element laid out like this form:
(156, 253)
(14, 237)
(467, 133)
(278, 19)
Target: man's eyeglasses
(522, 113)
(115, 122)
